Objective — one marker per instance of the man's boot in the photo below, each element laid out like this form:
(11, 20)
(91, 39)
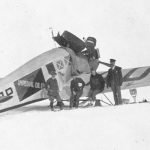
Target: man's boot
(77, 104)
(51, 106)
(74, 103)
(71, 104)
(60, 105)
(97, 102)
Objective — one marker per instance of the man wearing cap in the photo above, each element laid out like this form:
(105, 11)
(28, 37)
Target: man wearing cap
(91, 53)
(76, 87)
(114, 80)
(97, 85)
(53, 90)
(90, 44)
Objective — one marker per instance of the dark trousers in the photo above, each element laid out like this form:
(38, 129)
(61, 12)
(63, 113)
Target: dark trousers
(92, 93)
(116, 93)
(54, 96)
(74, 99)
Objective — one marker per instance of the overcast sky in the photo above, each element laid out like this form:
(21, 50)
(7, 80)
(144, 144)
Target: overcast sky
(122, 29)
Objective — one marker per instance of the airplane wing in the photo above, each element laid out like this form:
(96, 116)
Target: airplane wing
(134, 77)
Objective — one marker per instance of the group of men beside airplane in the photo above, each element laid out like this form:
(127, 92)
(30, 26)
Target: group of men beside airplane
(97, 82)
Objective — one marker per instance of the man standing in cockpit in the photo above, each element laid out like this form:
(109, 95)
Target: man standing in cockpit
(91, 53)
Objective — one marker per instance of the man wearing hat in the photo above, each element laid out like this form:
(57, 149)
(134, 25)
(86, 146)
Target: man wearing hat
(76, 87)
(90, 44)
(91, 53)
(114, 80)
(53, 90)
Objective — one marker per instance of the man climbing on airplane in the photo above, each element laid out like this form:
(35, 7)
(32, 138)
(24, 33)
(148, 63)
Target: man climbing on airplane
(90, 44)
(53, 91)
(97, 85)
(91, 53)
(114, 80)
(76, 87)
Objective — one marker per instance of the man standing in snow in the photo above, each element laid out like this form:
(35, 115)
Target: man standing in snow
(114, 80)
(76, 86)
(97, 85)
(53, 91)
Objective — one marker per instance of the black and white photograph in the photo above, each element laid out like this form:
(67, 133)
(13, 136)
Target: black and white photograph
(75, 75)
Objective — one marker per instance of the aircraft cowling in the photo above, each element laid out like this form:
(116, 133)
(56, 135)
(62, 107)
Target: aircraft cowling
(67, 39)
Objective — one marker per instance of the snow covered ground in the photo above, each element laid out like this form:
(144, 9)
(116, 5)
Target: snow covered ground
(35, 127)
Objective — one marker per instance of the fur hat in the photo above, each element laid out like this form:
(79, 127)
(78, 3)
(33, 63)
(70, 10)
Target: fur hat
(112, 60)
(91, 40)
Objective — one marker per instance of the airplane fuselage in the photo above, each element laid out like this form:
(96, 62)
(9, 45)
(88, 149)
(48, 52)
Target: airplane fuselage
(27, 84)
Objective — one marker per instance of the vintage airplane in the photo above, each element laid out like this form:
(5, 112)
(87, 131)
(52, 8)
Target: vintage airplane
(26, 85)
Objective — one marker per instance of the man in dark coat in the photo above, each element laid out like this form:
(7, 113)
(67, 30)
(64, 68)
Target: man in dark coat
(97, 85)
(114, 80)
(53, 91)
(76, 87)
